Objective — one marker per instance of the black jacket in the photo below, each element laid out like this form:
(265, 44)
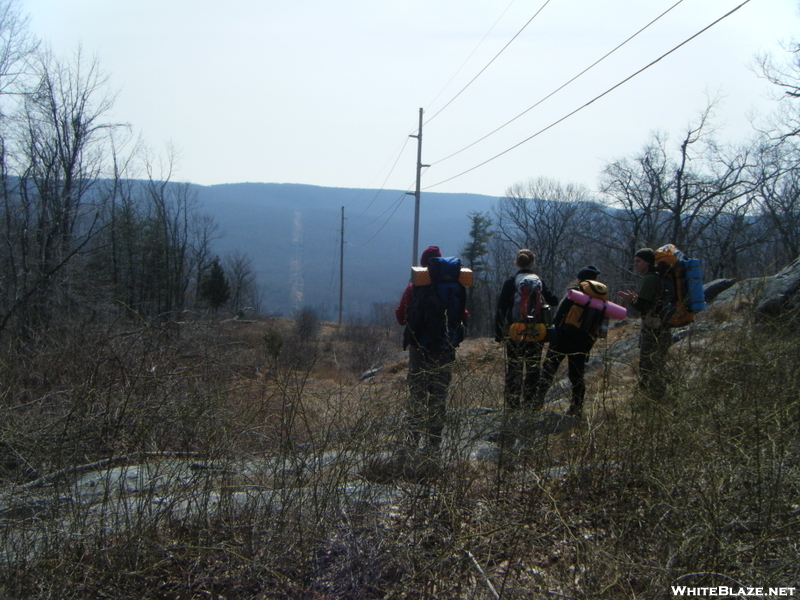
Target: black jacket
(506, 302)
(569, 336)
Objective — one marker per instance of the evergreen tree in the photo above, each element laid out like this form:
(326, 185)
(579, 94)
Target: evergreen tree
(474, 254)
(479, 234)
(214, 287)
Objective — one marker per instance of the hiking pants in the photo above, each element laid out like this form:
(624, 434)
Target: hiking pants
(653, 347)
(575, 348)
(429, 375)
(522, 373)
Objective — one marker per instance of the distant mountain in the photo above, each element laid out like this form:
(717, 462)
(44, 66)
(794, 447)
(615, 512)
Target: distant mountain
(291, 233)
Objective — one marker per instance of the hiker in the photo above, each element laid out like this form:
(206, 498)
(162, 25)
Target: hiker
(520, 329)
(577, 329)
(431, 335)
(655, 338)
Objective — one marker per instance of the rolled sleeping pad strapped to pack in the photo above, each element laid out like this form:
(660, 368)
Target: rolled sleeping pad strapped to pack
(615, 311)
(420, 276)
(696, 299)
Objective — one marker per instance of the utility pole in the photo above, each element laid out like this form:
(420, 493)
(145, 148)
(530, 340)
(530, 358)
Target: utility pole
(415, 249)
(341, 268)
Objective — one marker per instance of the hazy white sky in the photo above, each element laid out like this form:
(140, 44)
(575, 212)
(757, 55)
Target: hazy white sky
(326, 92)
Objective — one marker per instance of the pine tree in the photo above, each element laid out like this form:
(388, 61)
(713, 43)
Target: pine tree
(474, 254)
(214, 287)
(477, 248)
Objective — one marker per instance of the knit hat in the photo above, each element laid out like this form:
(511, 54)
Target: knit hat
(647, 255)
(429, 252)
(590, 272)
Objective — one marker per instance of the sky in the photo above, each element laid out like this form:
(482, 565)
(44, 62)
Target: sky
(328, 92)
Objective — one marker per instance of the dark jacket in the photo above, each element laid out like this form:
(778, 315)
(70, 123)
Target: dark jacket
(563, 307)
(505, 303)
(566, 330)
(401, 313)
(648, 299)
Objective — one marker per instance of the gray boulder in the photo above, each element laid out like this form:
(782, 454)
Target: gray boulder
(714, 288)
(780, 297)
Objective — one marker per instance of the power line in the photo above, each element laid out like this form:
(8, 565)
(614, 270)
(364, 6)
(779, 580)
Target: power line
(608, 91)
(398, 202)
(383, 185)
(405, 141)
(558, 89)
(466, 60)
(489, 63)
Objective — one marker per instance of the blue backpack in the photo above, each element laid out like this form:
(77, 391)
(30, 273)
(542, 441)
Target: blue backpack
(433, 320)
(681, 286)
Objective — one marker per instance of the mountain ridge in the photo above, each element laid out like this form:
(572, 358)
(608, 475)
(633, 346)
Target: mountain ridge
(291, 232)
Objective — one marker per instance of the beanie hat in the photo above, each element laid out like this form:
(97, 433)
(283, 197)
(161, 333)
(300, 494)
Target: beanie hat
(429, 252)
(647, 255)
(590, 272)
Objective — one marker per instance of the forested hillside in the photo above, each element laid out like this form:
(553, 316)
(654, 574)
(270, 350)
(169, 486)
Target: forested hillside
(291, 233)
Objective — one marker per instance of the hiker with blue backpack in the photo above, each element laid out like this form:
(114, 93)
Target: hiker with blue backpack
(655, 337)
(521, 325)
(670, 295)
(434, 315)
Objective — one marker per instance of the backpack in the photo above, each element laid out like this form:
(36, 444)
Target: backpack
(587, 318)
(433, 320)
(681, 286)
(528, 312)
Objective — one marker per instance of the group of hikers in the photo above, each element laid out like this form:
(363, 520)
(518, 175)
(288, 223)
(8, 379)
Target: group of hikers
(434, 315)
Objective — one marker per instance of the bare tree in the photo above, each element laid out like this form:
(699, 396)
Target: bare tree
(717, 187)
(550, 218)
(785, 76)
(55, 155)
(731, 242)
(383, 317)
(242, 280)
(778, 174)
(155, 246)
(16, 46)
(661, 199)
(204, 231)
(638, 188)
(778, 197)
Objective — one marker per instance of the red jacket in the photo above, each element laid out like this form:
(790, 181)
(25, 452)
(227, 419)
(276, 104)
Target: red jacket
(402, 309)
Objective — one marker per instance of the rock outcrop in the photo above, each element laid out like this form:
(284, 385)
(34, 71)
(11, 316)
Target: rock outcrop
(714, 288)
(780, 298)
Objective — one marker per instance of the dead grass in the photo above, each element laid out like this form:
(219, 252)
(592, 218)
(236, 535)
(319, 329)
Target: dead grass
(700, 485)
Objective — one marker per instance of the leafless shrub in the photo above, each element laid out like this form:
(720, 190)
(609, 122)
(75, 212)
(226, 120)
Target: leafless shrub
(364, 346)
(256, 483)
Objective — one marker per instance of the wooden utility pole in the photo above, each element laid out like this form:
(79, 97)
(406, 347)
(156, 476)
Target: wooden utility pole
(415, 249)
(341, 267)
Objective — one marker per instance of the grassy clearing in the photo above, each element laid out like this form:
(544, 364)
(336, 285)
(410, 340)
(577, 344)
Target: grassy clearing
(700, 487)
